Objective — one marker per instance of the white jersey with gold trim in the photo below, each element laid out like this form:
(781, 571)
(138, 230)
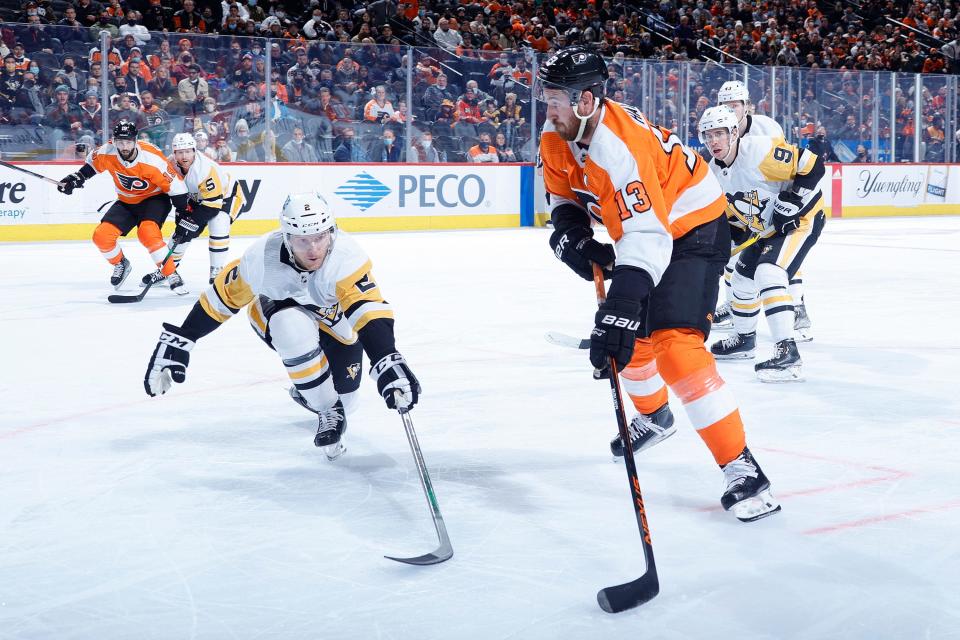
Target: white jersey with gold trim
(761, 126)
(342, 294)
(764, 167)
(211, 185)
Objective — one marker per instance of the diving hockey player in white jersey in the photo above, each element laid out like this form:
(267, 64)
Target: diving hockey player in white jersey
(772, 192)
(311, 297)
(734, 94)
(216, 200)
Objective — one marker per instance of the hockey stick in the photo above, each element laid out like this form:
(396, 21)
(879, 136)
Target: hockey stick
(445, 550)
(30, 173)
(630, 594)
(564, 340)
(118, 298)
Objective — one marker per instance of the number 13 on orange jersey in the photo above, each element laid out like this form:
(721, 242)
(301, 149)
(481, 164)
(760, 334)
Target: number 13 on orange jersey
(632, 199)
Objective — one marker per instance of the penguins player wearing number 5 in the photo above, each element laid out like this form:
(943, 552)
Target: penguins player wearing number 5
(311, 297)
(605, 163)
(773, 191)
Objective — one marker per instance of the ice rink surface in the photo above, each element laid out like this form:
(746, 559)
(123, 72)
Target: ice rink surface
(207, 513)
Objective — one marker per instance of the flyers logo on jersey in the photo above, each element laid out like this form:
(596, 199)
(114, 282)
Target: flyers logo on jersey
(132, 183)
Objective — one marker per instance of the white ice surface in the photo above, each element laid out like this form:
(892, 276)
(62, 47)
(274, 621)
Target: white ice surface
(208, 513)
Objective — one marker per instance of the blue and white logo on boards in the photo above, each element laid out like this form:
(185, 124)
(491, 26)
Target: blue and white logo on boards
(363, 191)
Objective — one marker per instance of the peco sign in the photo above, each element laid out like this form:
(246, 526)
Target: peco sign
(449, 190)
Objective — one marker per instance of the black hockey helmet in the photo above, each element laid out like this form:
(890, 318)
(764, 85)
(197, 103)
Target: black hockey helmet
(125, 130)
(574, 69)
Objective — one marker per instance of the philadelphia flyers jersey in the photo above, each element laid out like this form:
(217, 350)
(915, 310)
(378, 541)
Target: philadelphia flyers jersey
(342, 294)
(763, 168)
(637, 179)
(147, 175)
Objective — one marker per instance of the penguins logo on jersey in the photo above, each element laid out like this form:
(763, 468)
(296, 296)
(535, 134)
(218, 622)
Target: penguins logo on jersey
(353, 370)
(329, 315)
(746, 208)
(132, 183)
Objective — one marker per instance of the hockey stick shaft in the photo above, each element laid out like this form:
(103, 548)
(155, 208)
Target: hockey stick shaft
(625, 596)
(445, 550)
(120, 298)
(29, 173)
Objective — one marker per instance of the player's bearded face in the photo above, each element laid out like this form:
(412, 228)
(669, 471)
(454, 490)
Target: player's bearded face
(560, 113)
(718, 141)
(184, 157)
(310, 251)
(126, 148)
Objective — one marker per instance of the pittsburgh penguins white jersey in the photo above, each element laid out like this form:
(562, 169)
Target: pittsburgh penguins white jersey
(342, 294)
(761, 126)
(211, 185)
(764, 167)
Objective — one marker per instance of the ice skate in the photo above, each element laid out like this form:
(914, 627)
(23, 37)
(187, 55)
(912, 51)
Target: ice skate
(646, 430)
(784, 366)
(722, 318)
(747, 493)
(152, 278)
(739, 346)
(333, 423)
(176, 284)
(121, 271)
(802, 329)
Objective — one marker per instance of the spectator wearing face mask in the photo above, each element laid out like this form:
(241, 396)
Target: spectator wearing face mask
(423, 149)
(132, 26)
(822, 147)
(349, 150)
(483, 151)
(390, 152)
(298, 149)
(446, 37)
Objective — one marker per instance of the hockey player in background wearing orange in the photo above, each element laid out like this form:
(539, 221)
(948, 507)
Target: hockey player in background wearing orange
(664, 211)
(146, 185)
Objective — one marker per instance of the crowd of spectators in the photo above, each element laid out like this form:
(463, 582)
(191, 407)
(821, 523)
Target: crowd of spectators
(338, 71)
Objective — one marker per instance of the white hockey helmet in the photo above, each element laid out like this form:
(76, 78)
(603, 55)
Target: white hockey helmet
(183, 141)
(732, 91)
(721, 117)
(305, 214)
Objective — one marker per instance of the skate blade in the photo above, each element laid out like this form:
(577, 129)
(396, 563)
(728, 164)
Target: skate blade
(334, 451)
(746, 355)
(120, 284)
(790, 374)
(803, 335)
(759, 506)
(722, 326)
(181, 291)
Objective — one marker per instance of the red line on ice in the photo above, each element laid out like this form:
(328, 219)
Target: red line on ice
(884, 518)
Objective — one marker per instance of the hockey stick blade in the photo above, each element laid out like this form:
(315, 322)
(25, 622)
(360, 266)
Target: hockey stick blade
(118, 298)
(563, 340)
(442, 554)
(629, 595)
(445, 551)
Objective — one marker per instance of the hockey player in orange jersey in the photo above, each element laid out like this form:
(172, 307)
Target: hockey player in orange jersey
(604, 162)
(146, 185)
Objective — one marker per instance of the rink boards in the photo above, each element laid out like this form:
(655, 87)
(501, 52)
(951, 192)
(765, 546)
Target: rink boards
(366, 197)
(397, 197)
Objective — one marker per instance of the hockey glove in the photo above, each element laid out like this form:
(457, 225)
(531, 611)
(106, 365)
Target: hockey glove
(786, 212)
(577, 249)
(613, 335)
(169, 361)
(71, 182)
(395, 382)
(187, 229)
